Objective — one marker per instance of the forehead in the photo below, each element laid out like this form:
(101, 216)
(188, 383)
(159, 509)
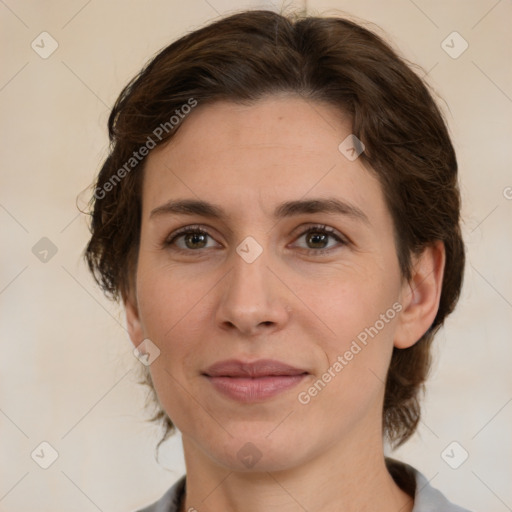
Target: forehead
(284, 120)
(277, 148)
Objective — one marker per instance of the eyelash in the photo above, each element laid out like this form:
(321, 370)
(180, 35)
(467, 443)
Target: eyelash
(318, 228)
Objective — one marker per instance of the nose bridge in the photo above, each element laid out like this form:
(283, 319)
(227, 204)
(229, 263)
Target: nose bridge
(249, 286)
(250, 296)
(250, 271)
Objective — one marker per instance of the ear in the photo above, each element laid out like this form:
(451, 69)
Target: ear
(133, 322)
(420, 295)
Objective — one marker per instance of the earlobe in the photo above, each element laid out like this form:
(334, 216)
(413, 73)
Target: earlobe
(421, 295)
(133, 322)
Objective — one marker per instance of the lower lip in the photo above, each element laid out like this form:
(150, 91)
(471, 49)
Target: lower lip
(254, 390)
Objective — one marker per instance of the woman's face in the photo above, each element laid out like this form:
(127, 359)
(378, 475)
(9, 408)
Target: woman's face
(292, 266)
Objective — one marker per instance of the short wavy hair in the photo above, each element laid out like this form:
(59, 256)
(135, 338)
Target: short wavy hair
(250, 55)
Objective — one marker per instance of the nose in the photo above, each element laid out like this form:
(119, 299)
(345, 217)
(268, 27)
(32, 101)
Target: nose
(252, 301)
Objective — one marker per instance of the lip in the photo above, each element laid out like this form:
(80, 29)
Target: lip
(255, 381)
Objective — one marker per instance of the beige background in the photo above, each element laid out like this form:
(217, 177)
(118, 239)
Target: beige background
(67, 371)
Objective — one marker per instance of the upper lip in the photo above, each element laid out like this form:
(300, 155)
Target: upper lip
(255, 369)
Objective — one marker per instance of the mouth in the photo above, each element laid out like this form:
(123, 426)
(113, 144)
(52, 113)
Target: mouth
(253, 382)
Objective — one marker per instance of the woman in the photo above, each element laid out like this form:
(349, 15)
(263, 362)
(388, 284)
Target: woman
(279, 213)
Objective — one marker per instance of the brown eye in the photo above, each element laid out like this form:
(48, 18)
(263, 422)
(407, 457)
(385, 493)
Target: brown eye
(195, 240)
(317, 240)
(190, 239)
(320, 239)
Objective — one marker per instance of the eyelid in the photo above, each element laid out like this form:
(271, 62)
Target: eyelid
(306, 228)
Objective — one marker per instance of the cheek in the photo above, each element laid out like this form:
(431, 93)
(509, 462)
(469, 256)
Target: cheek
(169, 298)
(356, 301)
(174, 313)
(362, 312)
(363, 315)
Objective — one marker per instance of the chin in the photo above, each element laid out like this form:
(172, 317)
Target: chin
(257, 453)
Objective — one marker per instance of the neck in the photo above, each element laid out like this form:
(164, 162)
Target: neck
(350, 477)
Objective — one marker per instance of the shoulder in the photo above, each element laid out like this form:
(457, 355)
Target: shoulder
(426, 497)
(170, 501)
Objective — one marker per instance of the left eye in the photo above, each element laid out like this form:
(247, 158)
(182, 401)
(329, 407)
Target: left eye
(320, 238)
(192, 239)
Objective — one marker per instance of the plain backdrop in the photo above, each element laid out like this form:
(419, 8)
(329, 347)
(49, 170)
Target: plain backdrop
(67, 370)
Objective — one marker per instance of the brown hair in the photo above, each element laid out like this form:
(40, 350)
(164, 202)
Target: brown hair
(252, 54)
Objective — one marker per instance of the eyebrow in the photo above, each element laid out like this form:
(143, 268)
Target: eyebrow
(283, 210)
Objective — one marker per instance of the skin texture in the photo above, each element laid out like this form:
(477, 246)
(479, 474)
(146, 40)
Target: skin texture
(297, 303)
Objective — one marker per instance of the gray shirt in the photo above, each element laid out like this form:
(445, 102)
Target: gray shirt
(426, 498)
